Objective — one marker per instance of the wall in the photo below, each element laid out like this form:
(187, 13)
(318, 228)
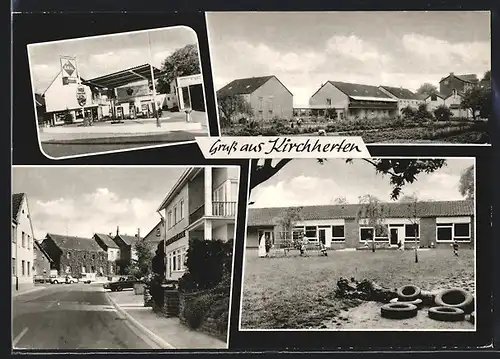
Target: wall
(179, 244)
(432, 105)
(450, 83)
(182, 222)
(80, 258)
(370, 113)
(338, 98)
(41, 262)
(196, 192)
(59, 97)
(453, 103)
(23, 253)
(277, 101)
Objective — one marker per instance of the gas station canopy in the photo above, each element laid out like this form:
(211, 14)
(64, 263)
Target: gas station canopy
(124, 77)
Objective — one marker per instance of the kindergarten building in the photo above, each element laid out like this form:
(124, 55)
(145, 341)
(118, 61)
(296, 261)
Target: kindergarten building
(432, 224)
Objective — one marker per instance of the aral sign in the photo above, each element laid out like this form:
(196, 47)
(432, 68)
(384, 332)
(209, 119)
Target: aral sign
(81, 95)
(69, 70)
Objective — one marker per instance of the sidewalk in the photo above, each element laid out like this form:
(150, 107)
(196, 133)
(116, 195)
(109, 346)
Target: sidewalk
(170, 330)
(26, 291)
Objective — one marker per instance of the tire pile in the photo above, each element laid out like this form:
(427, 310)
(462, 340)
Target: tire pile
(449, 305)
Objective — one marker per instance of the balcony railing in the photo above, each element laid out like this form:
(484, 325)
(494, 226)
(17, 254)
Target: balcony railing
(224, 209)
(197, 214)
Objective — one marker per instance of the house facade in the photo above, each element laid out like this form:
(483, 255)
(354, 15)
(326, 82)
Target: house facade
(432, 224)
(107, 244)
(126, 245)
(156, 235)
(201, 205)
(459, 83)
(22, 243)
(75, 255)
(354, 101)
(405, 97)
(42, 261)
(433, 101)
(453, 101)
(267, 96)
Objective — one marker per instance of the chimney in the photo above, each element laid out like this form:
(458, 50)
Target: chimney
(452, 74)
(138, 233)
(117, 230)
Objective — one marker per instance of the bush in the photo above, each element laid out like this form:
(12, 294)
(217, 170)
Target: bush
(442, 113)
(196, 310)
(408, 112)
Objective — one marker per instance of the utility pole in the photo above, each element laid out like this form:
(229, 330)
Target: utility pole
(155, 110)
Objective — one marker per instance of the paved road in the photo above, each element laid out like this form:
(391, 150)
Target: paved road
(71, 316)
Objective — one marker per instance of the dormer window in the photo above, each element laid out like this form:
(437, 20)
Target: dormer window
(434, 97)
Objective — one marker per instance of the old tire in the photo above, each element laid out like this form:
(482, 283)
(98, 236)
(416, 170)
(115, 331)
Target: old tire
(399, 310)
(455, 298)
(472, 317)
(408, 293)
(446, 314)
(417, 302)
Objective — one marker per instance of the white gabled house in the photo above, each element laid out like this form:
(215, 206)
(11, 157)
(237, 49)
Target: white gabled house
(202, 204)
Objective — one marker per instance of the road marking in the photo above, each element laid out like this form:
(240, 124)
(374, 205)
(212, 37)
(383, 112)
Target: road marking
(18, 338)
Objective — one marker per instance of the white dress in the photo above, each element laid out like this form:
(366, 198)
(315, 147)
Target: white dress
(262, 246)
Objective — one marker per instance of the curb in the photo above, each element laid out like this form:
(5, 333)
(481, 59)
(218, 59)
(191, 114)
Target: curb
(155, 338)
(16, 294)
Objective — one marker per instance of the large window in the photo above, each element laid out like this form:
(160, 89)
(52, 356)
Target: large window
(176, 260)
(23, 268)
(365, 234)
(411, 232)
(447, 232)
(381, 233)
(311, 233)
(338, 234)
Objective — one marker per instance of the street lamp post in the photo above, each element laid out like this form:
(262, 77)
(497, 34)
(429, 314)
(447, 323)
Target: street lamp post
(158, 124)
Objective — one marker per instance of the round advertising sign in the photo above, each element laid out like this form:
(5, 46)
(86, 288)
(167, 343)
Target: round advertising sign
(81, 95)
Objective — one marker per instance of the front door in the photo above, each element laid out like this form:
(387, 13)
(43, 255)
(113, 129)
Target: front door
(322, 236)
(394, 236)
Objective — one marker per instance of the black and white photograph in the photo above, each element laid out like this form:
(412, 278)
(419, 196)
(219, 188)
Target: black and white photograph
(390, 77)
(378, 244)
(122, 257)
(121, 91)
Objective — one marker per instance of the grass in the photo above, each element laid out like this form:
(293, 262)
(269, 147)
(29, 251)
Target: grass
(298, 292)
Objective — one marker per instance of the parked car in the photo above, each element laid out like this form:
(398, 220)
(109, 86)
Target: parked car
(87, 278)
(57, 279)
(70, 280)
(41, 279)
(125, 282)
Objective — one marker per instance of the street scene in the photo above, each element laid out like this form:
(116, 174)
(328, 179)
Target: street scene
(389, 77)
(369, 244)
(121, 91)
(114, 264)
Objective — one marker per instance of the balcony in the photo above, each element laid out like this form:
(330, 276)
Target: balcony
(197, 214)
(223, 209)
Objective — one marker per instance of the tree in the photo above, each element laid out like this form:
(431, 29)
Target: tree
(182, 62)
(331, 113)
(422, 113)
(371, 212)
(142, 267)
(400, 171)
(287, 222)
(466, 183)
(477, 99)
(232, 105)
(408, 112)
(340, 200)
(486, 80)
(442, 113)
(427, 89)
(412, 203)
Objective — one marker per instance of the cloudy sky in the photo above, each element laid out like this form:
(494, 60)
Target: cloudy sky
(305, 50)
(80, 201)
(101, 55)
(305, 182)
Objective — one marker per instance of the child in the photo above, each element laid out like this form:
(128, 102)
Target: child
(400, 246)
(455, 248)
(322, 248)
(303, 249)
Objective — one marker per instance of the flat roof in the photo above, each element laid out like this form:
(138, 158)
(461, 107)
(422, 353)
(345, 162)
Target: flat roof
(124, 77)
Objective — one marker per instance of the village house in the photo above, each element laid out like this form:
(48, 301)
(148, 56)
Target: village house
(354, 101)
(107, 243)
(435, 100)
(156, 235)
(266, 95)
(201, 205)
(405, 97)
(459, 83)
(22, 264)
(126, 245)
(75, 255)
(432, 224)
(42, 261)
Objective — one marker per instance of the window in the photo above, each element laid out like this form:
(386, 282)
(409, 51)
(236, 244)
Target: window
(170, 219)
(13, 266)
(381, 233)
(84, 269)
(23, 239)
(181, 209)
(329, 101)
(312, 233)
(460, 232)
(22, 268)
(28, 267)
(28, 241)
(365, 234)
(175, 215)
(341, 115)
(444, 233)
(411, 232)
(68, 269)
(434, 97)
(338, 233)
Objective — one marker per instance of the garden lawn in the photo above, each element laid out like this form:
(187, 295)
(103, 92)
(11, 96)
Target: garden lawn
(298, 292)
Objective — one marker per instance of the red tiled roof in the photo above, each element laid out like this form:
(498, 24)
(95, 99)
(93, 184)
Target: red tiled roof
(107, 240)
(351, 89)
(129, 240)
(71, 242)
(17, 200)
(271, 216)
(472, 78)
(245, 86)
